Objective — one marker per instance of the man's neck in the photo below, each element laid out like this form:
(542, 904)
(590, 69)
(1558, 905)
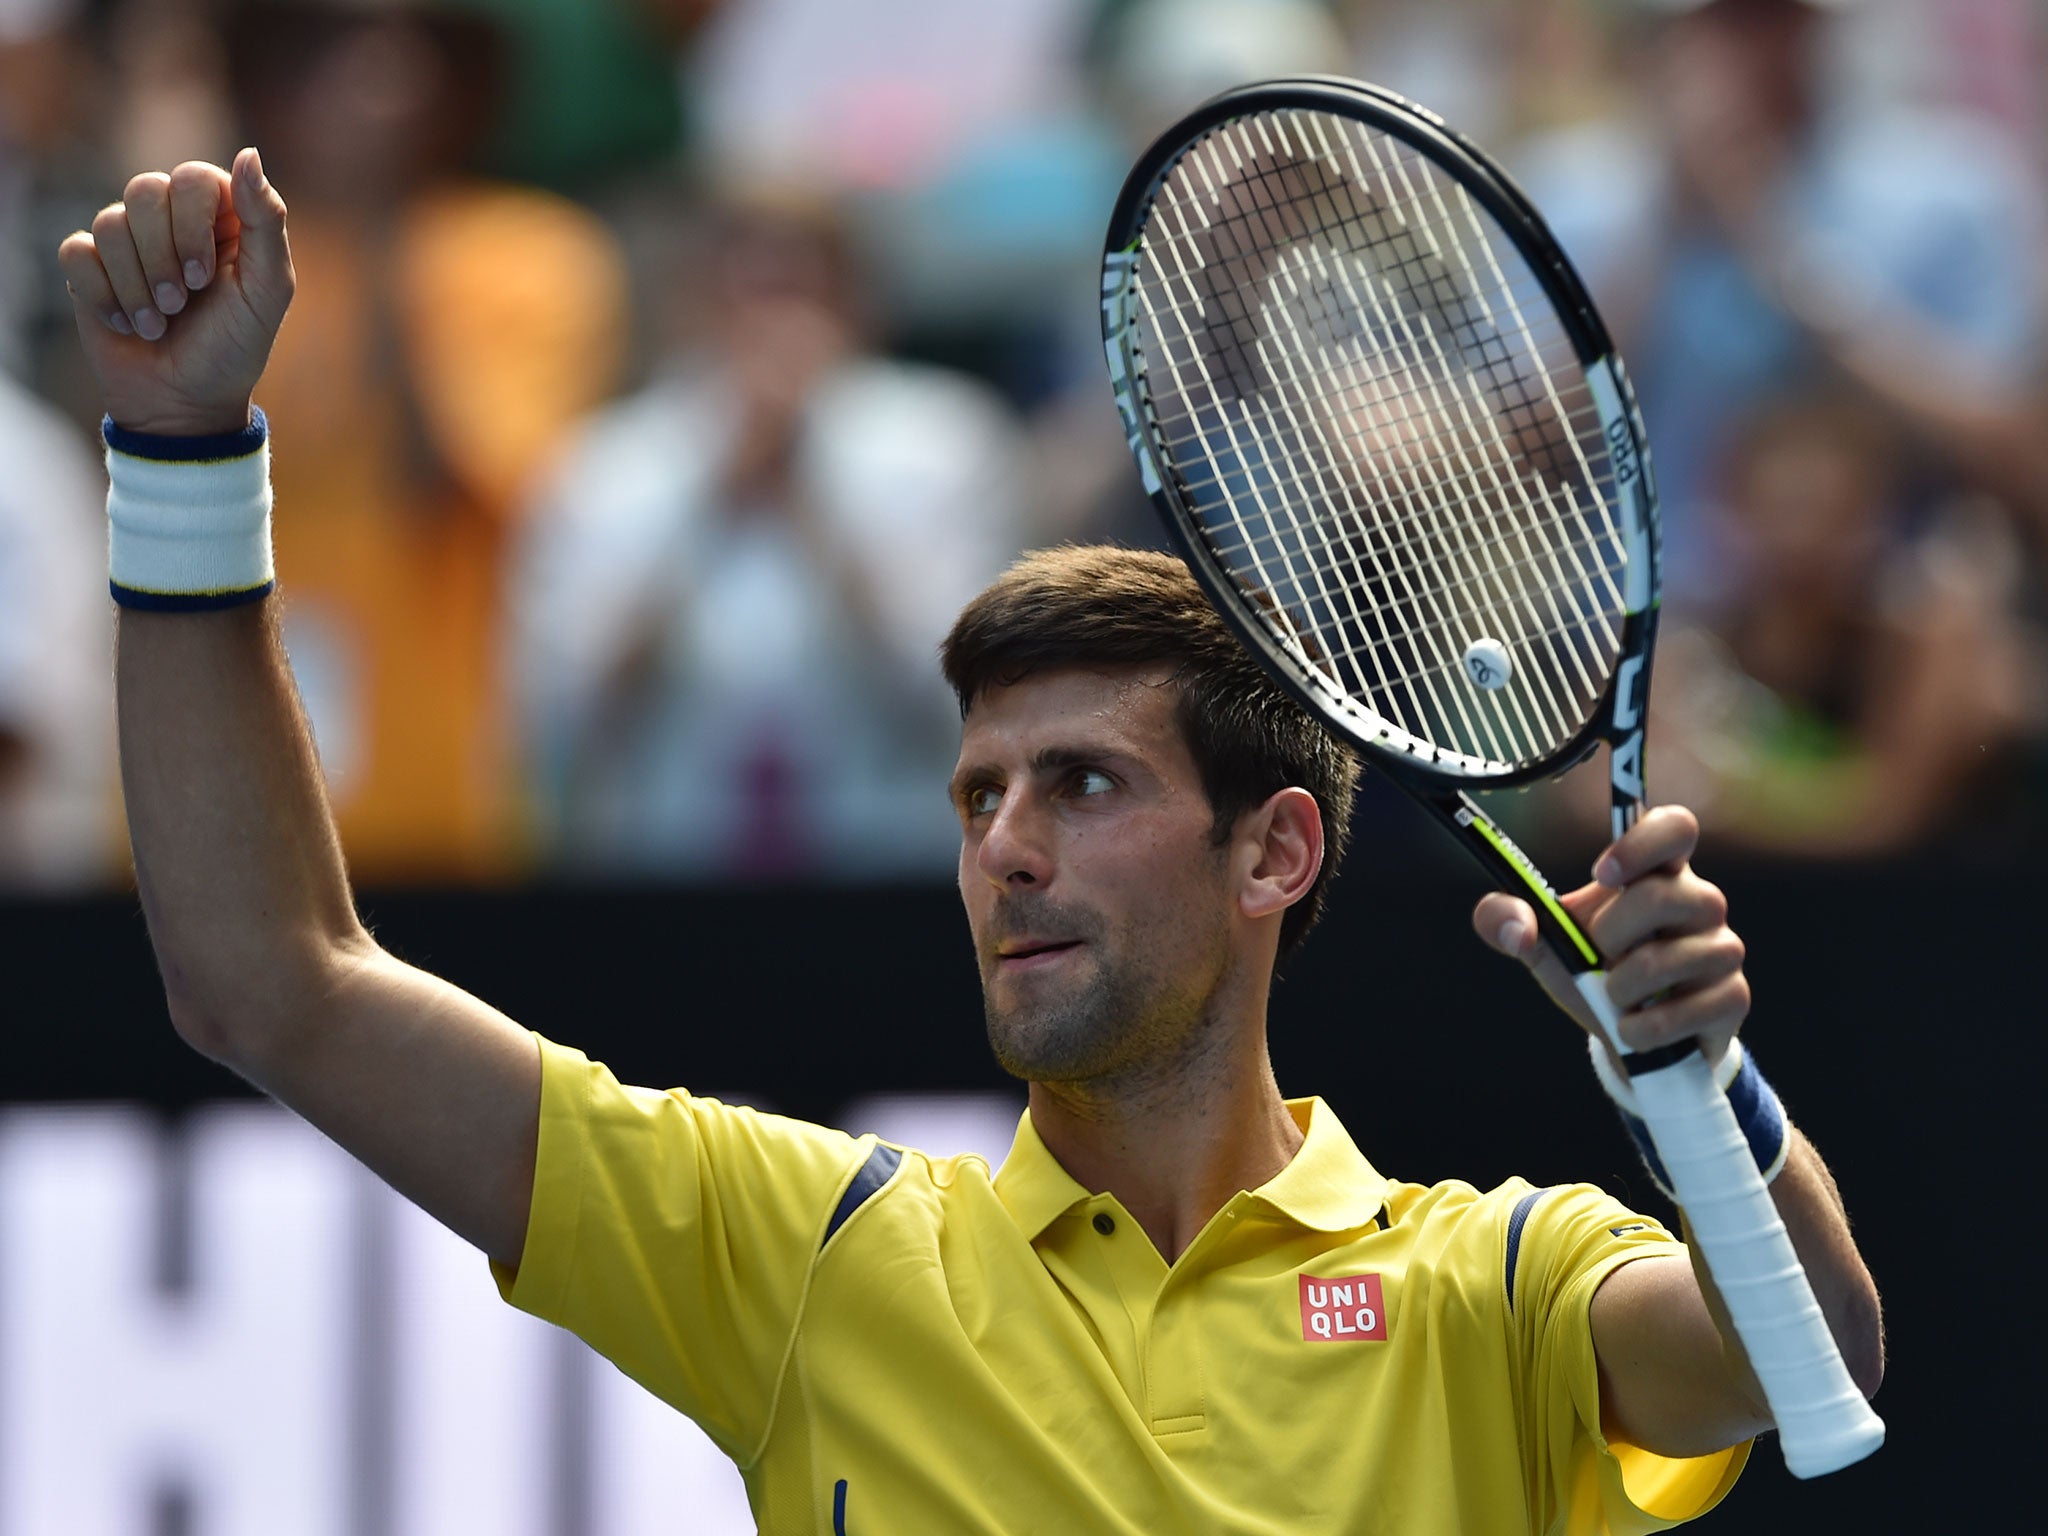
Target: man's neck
(1172, 1153)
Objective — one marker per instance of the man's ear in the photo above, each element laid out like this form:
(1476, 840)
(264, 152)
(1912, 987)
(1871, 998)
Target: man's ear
(1281, 843)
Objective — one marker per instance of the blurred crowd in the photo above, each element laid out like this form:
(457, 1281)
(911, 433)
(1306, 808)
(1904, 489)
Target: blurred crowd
(665, 374)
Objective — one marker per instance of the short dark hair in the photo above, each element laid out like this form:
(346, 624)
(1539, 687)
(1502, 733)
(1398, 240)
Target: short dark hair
(1098, 606)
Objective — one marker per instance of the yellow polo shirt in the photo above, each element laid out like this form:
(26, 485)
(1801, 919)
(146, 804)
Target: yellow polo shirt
(887, 1342)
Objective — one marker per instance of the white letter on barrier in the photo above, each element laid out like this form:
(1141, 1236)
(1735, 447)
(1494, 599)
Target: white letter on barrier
(234, 1392)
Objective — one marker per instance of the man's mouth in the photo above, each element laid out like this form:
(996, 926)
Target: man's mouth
(1024, 951)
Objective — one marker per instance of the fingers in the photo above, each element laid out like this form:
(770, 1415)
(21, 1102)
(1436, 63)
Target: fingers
(199, 199)
(1506, 923)
(1657, 905)
(91, 292)
(147, 252)
(1675, 966)
(1664, 839)
(169, 236)
(1690, 963)
(1711, 1014)
(265, 255)
(115, 249)
(147, 200)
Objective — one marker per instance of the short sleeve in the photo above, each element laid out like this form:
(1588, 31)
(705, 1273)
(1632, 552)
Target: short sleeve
(1568, 1242)
(675, 1235)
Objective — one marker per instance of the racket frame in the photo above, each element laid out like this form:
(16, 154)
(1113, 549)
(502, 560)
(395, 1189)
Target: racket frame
(1823, 1420)
(1429, 774)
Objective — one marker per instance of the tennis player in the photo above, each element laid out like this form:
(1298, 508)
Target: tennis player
(1184, 1303)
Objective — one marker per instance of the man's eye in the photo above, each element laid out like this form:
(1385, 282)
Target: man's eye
(980, 802)
(1092, 781)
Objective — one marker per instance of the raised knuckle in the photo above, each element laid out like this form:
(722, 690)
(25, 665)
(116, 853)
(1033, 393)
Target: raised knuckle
(148, 187)
(1715, 1007)
(1647, 967)
(194, 173)
(1647, 1029)
(1629, 983)
(112, 219)
(1706, 965)
(1681, 821)
(1713, 901)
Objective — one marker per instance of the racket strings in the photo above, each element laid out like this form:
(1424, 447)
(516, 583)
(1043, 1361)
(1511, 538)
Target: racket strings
(1562, 622)
(1470, 333)
(1368, 409)
(1478, 479)
(1522, 413)
(1429, 605)
(1420, 266)
(1392, 576)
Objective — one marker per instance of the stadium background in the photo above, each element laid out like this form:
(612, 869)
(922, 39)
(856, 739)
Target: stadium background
(536, 237)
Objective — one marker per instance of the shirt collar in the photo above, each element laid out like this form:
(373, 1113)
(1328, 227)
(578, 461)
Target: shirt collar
(1328, 1187)
(1032, 1185)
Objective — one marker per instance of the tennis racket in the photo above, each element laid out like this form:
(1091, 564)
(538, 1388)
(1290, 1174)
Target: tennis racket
(1389, 433)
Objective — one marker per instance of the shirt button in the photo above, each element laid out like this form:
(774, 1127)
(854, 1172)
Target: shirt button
(1105, 1223)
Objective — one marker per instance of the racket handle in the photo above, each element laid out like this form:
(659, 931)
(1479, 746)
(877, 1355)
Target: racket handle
(1824, 1423)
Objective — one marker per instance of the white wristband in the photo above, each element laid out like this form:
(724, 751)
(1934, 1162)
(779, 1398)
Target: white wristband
(189, 518)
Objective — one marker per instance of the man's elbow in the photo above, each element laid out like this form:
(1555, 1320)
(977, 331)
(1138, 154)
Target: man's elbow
(199, 1027)
(245, 1024)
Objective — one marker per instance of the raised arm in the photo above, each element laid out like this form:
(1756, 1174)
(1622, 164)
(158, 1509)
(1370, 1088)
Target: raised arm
(1673, 1375)
(179, 290)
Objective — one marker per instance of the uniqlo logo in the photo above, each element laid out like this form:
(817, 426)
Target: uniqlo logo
(1342, 1307)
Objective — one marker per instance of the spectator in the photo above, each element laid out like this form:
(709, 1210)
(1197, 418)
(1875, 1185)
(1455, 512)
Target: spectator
(449, 330)
(1150, 61)
(729, 600)
(1766, 233)
(590, 90)
(1859, 685)
(47, 83)
(57, 804)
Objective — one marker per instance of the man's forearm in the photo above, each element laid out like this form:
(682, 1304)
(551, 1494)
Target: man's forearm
(236, 857)
(1818, 1225)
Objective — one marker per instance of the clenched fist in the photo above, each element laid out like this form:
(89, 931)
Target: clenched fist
(178, 291)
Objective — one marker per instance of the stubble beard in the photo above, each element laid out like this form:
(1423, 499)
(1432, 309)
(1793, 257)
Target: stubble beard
(1123, 1024)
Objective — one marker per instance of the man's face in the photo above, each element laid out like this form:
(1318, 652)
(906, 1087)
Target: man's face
(1101, 908)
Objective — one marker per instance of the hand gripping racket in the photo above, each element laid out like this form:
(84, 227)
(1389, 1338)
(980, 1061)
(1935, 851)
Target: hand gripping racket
(1378, 412)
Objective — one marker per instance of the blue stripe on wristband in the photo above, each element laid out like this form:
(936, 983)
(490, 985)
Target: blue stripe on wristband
(188, 602)
(216, 449)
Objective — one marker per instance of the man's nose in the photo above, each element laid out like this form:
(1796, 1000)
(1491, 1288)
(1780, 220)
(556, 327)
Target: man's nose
(1016, 849)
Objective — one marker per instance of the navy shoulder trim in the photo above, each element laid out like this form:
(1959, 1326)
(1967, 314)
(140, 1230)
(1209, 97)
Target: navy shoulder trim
(1518, 1219)
(874, 1173)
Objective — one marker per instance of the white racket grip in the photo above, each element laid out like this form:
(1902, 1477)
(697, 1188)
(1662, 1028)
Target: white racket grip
(1824, 1423)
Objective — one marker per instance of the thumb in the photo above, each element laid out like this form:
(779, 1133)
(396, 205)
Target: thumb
(1508, 925)
(265, 258)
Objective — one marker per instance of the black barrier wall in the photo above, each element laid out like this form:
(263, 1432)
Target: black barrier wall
(1894, 1011)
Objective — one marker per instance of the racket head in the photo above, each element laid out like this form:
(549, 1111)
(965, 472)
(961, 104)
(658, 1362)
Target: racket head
(1381, 418)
